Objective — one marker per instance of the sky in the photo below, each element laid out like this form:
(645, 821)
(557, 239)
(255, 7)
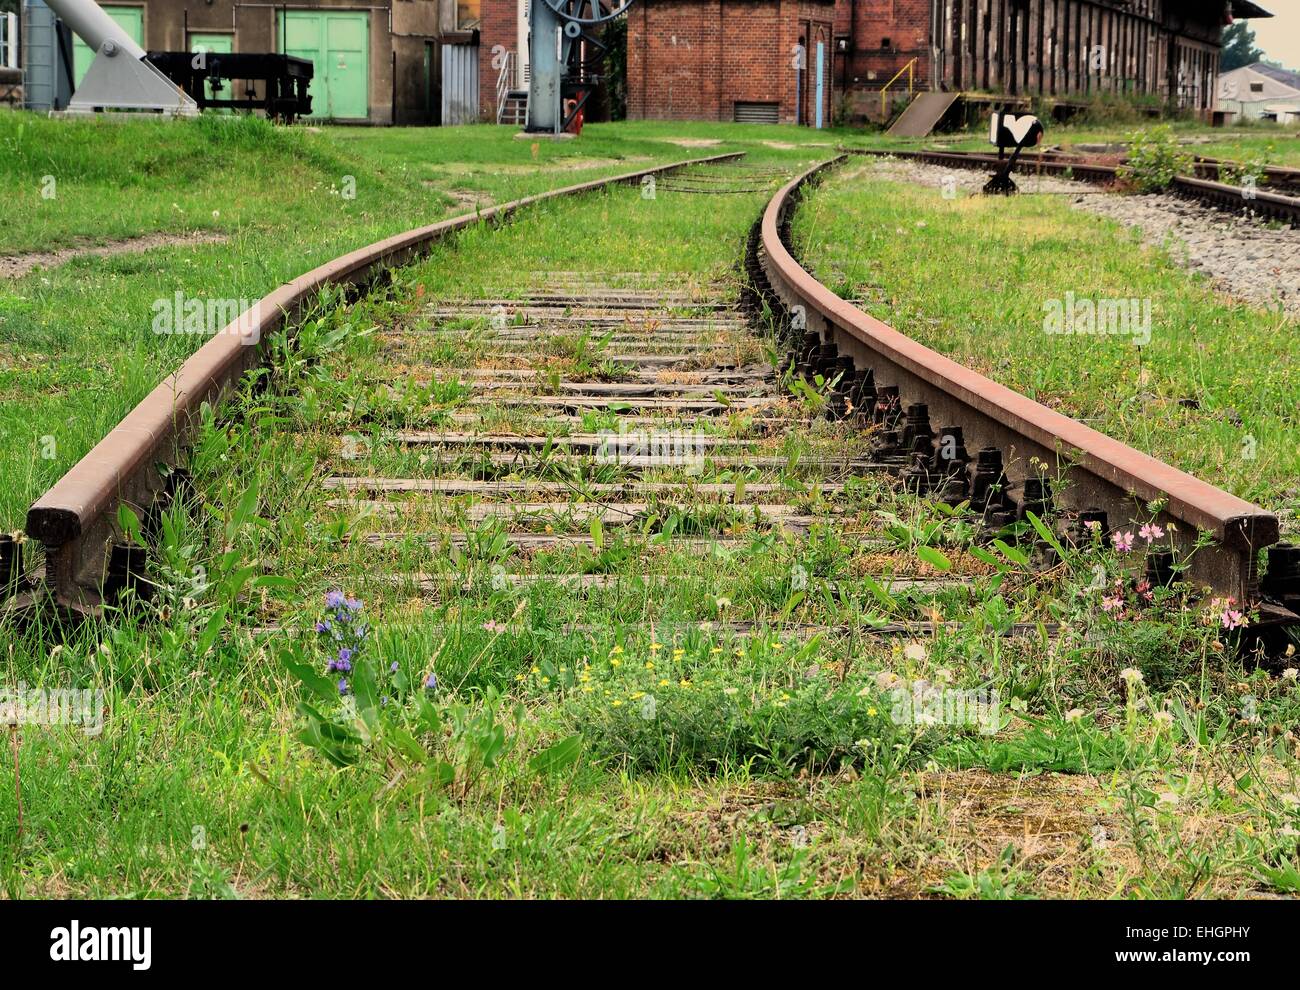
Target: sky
(1279, 35)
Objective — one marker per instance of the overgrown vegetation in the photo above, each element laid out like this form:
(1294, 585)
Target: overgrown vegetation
(980, 281)
(1154, 160)
(325, 699)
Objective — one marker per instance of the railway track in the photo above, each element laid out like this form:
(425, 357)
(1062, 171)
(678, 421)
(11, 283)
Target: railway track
(633, 479)
(1205, 187)
(619, 442)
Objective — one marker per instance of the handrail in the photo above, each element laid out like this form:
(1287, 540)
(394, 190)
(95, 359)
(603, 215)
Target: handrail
(909, 69)
(503, 84)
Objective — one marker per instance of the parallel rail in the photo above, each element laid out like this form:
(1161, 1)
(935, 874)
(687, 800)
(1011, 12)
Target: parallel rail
(76, 520)
(1204, 190)
(1101, 472)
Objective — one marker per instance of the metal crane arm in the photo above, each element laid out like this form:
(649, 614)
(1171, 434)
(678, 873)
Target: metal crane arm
(91, 23)
(121, 77)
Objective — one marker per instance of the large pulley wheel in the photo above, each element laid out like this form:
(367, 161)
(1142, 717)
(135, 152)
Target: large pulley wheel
(588, 11)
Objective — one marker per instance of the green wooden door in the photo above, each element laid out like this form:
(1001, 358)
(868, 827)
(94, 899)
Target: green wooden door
(338, 44)
(130, 19)
(214, 43)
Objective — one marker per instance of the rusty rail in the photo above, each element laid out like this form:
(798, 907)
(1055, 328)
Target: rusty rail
(1212, 193)
(1100, 472)
(76, 520)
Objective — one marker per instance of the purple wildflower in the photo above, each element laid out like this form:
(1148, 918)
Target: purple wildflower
(333, 599)
(345, 655)
(352, 605)
(431, 682)
(323, 626)
(343, 685)
(392, 667)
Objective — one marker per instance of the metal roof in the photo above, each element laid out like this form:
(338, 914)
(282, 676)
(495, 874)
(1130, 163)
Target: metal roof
(1277, 74)
(1245, 10)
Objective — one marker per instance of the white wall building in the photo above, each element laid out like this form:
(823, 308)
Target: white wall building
(1261, 91)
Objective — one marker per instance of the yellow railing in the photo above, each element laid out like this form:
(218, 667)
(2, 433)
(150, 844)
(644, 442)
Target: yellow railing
(909, 68)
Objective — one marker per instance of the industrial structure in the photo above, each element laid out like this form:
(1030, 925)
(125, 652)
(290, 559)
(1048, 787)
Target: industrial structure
(739, 60)
(812, 62)
(1261, 92)
(377, 62)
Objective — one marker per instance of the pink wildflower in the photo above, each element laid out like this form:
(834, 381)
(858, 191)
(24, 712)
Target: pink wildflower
(1232, 619)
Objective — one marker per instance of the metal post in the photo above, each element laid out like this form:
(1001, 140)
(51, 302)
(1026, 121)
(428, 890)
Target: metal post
(11, 41)
(821, 55)
(545, 68)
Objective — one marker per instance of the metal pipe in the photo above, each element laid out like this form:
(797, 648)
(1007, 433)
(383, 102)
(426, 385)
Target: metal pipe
(91, 24)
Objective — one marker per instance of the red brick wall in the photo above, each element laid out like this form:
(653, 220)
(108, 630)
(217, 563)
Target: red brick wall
(694, 59)
(499, 26)
(905, 25)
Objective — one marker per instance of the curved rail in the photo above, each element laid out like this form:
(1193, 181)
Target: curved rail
(76, 520)
(1101, 471)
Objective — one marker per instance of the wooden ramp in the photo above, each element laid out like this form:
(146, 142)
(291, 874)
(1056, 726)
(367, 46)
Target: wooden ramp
(922, 114)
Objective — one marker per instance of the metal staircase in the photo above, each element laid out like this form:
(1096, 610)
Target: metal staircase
(512, 104)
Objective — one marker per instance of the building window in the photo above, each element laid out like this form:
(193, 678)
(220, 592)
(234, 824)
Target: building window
(467, 14)
(1257, 87)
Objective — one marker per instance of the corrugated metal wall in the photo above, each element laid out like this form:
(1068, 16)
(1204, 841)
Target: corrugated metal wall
(45, 72)
(459, 84)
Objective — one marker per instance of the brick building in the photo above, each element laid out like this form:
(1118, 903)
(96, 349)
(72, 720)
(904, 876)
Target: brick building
(717, 59)
(454, 61)
(730, 59)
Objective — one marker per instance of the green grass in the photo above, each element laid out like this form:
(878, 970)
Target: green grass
(971, 277)
(76, 346)
(771, 764)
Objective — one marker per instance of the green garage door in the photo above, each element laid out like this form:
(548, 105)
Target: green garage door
(130, 19)
(338, 44)
(222, 43)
